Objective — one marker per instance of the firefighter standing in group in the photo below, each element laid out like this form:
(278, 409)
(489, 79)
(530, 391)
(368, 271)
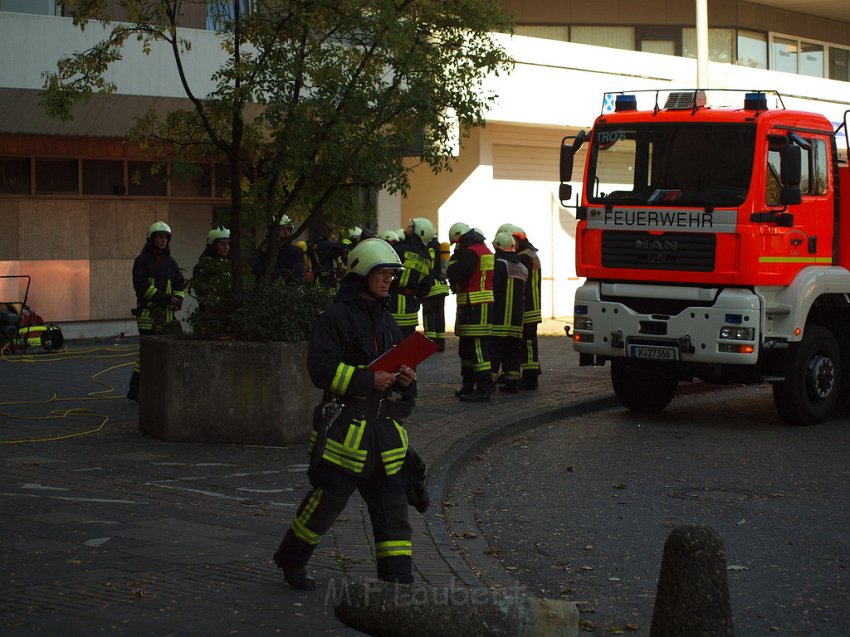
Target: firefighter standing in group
(434, 303)
(159, 287)
(509, 279)
(415, 281)
(532, 315)
(211, 276)
(359, 441)
(470, 273)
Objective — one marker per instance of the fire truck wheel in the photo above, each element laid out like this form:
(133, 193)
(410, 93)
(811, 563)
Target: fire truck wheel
(641, 386)
(810, 391)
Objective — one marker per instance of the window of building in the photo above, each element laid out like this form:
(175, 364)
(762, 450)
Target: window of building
(721, 44)
(839, 64)
(56, 176)
(785, 54)
(38, 7)
(752, 49)
(221, 12)
(103, 177)
(145, 178)
(545, 32)
(612, 37)
(15, 176)
(659, 39)
(804, 57)
(812, 59)
(191, 180)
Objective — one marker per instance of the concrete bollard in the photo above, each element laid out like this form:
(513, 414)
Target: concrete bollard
(693, 593)
(385, 609)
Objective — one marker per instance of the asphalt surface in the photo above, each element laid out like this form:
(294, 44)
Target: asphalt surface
(107, 531)
(584, 511)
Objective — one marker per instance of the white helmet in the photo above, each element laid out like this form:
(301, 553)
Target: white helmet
(354, 232)
(370, 254)
(457, 231)
(159, 226)
(504, 241)
(389, 235)
(217, 233)
(423, 228)
(285, 221)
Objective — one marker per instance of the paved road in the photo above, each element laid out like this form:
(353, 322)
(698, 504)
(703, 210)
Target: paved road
(581, 508)
(106, 531)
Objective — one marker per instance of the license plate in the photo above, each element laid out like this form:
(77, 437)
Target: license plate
(653, 352)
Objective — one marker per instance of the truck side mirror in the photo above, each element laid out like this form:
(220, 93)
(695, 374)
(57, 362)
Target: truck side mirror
(790, 165)
(790, 173)
(565, 192)
(567, 155)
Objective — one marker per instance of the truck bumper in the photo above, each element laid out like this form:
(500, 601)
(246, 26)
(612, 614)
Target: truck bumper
(667, 323)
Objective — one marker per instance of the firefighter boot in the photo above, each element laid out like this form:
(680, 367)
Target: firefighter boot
(467, 388)
(292, 557)
(510, 387)
(133, 393)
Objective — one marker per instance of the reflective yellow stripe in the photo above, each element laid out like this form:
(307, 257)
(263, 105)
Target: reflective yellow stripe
(795, 259)
(484, 296)
(343, 450)
(150, 292)
(342, 378)
(393, 548)
(355, 434)
(299, 523)
(532, 316)
(352, 465)
(406, 319)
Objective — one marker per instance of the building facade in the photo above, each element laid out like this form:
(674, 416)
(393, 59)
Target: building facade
(76, 198)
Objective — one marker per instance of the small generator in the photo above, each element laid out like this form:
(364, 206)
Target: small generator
(21, 328)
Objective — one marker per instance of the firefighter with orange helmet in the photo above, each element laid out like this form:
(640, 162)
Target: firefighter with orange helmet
(470, 273)
(532, 314)
(159, 287)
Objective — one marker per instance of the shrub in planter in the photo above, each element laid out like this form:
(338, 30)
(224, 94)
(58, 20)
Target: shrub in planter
(241, 376)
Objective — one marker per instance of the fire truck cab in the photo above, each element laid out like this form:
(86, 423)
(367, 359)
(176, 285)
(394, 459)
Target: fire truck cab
(715, 242)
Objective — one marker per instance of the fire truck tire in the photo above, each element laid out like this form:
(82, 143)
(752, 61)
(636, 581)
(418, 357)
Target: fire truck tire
(642, 387)
(810, 391)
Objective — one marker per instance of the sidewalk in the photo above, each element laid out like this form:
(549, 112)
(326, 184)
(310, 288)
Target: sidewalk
(113, 532)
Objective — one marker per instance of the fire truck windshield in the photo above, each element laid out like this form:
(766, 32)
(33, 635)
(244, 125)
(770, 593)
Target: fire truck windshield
(675, 164)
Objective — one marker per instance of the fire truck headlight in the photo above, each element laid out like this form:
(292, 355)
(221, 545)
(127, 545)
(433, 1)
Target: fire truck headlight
(730, 333)
(583, 323)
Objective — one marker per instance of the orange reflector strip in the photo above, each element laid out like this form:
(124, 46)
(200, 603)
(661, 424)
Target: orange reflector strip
(745, 349)
(576, 337)
(797, 331)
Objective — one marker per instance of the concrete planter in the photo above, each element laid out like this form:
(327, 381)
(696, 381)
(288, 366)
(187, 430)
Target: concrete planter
(225, 391)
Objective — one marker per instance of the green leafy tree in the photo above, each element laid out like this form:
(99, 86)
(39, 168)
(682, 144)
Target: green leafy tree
(318, 101)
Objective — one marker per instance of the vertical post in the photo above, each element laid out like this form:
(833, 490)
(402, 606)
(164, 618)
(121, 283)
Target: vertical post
(702, 43)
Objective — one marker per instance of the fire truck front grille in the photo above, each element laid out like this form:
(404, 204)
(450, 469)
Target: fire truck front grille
(669, 251)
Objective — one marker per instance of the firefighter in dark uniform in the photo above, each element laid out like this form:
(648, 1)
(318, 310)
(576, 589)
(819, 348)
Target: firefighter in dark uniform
(509, 278)
(289, 265)
(211, 276)
(434, 303)
(159, 287)
(364, 443)
(326, 256)
(413, 285)
(470, 272)
(532, 315)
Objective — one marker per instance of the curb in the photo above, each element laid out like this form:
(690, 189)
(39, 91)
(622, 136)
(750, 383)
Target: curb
(447, 467)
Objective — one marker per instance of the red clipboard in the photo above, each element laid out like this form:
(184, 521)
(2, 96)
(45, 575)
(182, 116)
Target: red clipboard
(411, 351)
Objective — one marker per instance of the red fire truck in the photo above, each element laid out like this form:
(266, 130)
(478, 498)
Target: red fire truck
(715, 242)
